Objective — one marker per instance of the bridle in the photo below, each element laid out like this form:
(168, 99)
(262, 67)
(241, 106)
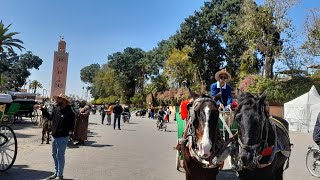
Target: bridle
(190, 134)
(264, 141)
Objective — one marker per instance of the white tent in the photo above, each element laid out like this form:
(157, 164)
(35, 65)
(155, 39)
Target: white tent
(298, 111)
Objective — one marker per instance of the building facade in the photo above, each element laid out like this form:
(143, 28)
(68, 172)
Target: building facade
(60, 69)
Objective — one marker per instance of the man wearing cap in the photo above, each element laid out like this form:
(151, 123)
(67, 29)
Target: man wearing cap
(117, 111)
(63, 119)
(225, 101)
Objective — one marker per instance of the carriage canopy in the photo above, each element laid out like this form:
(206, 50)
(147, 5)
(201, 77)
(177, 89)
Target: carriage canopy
(5, 98)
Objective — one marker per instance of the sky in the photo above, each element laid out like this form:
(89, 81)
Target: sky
(95, 29)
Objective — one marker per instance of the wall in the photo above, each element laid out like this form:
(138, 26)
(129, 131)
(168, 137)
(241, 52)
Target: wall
(276, 110)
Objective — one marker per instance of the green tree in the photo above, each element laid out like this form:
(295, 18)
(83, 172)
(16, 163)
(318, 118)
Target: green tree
(265, 29)
(15, 69)
(34, 85)
(205, 33)
(179, 65)
(7, 41)
(312, 27)
(88, 73)
(128, 67)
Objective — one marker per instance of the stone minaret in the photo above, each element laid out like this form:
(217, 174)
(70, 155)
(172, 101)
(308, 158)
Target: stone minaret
(59, 70)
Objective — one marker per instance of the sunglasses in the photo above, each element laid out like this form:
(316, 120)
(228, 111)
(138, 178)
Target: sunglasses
(223, 77)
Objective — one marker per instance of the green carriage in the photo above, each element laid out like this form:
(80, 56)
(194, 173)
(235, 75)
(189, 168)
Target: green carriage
(22, 106)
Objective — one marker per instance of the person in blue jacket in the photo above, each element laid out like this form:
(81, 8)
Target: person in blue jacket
(316, 131)
(225, 100)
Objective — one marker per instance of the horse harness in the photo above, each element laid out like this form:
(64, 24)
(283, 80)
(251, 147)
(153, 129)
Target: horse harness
(189, 138)
(277, 147)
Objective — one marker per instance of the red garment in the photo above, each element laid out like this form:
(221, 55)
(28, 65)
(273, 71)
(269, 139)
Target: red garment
(234, 105)
(267, 151)
(183, 109)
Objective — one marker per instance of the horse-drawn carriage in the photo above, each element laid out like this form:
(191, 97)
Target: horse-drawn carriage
(8, 140)
(258, 144)
(21, 106)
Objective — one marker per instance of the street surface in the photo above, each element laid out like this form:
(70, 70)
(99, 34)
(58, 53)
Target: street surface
(137, 152)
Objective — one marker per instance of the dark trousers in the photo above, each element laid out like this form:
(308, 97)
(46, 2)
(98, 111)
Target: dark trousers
(116, 116)
(103, 115)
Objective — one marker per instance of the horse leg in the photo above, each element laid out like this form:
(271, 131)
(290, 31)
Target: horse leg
(43, 133)
(279, 173)
(48, 136)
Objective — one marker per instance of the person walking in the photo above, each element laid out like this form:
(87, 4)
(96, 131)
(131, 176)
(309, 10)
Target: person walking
(109, 112)
(63, 119)
(80, 132)
(103, 112)
(117, 111)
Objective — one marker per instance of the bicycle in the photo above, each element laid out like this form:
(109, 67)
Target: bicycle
(313, 161)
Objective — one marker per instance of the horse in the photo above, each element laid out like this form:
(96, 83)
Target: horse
(201, 142)
(264, 143)
(46, 130)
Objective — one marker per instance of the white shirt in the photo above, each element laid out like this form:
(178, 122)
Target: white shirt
(224, 87)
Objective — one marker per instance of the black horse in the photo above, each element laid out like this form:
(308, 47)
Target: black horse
(201, 141)
(264, 143)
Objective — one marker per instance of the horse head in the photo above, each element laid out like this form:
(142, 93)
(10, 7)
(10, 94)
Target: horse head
(251, 116)
(204, 120)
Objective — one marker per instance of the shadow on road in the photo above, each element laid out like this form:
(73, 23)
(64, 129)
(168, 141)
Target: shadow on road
(171, 131)
(133, 123)
(93, 144)
(94, 124)
(22, 124)
(19, 135)
(227, 174)
(128, 130)
(19, 172)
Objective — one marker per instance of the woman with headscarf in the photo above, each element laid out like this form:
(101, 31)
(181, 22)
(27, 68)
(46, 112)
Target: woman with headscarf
(81, 126)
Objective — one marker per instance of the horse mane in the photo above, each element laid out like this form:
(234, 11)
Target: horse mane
(246, 98)
(204, 96)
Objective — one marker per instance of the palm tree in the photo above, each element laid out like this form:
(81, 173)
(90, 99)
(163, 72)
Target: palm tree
(34, 85)
(7, 41)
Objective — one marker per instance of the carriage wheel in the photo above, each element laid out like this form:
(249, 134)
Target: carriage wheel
(34, 116)
(8, 147)
(313, 162)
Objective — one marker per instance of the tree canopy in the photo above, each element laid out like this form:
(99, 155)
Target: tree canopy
(7, 41)
(88, 73)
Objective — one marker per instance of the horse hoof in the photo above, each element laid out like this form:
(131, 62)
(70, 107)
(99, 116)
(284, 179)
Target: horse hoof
(47, 143)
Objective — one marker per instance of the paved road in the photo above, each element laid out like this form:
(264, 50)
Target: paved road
(137, 152)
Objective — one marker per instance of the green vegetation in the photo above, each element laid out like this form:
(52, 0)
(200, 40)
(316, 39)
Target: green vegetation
(240, 35)
(14, 69)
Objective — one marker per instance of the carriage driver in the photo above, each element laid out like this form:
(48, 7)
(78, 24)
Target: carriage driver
(225, 101)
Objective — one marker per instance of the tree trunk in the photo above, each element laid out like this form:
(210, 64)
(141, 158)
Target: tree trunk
(268, 66)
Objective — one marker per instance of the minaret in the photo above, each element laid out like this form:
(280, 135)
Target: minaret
(59, 70)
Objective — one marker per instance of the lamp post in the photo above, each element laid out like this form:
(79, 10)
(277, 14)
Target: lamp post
(43, 92)
(82, 92)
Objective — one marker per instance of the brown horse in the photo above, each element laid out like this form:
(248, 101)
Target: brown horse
(200, 142)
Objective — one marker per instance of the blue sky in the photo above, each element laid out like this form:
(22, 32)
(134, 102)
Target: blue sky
(95, 29)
